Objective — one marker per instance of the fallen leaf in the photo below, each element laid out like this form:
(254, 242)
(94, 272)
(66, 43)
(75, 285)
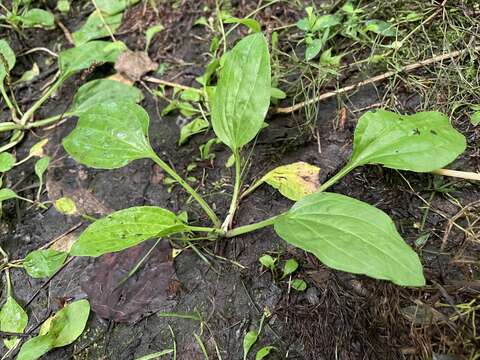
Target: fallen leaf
(120, 78)
(115, 296)
(134, 64)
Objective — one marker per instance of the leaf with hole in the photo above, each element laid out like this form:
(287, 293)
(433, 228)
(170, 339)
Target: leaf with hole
(100, 91)
(43, 263)
(12, 319)
(57, 331)
(82, 57)
(7, 161)
(110, 135)
(294, 181)
(421, 142)
(242, 95)
(126, 228)
(350, 235)
(96, 27)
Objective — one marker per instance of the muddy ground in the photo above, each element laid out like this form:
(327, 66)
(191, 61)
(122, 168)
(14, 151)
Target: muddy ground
(340, 316)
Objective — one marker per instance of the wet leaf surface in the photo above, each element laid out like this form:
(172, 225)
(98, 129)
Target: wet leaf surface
(148, 290)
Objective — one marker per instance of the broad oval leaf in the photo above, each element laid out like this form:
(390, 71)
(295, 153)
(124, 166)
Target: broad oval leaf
(112, 7)
(44, 263)
(12, 319)
(103, 91)
(7, 194)
(242, 95)
(59, 330)
(110, 135)
(96, 27)
(350, 235)
(294, 181)
(82, 57)
(421, 142)
(7, 60)
(126, 228)
(7, 161)
(38, 18)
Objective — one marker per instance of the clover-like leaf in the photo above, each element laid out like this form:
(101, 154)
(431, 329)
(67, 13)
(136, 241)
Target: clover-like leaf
(59, 330)
(110, 135)
(421, 142)
(126, 228)
(242, 95)
(350, 235)
(43, 263)
(102, 91)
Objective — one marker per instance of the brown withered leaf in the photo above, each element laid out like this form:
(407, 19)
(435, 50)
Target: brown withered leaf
(134, 64)
(150, 289)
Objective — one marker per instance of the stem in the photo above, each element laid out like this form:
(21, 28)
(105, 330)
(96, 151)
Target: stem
(47, 121)
(172, 173)
(252, 188)
(8, 102)
(458, 174)
(252, 227)
(9, 282)
(236, 192)
(26, 117)
(344, 171)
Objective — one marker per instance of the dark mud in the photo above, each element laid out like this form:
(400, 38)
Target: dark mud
(340, 316)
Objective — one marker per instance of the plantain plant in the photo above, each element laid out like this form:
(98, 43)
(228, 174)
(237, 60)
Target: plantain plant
(342, 232)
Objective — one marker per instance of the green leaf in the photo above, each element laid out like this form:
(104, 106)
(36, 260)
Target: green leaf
(294, 181)
(327, 59)
(60, 330)
(252, 24)
(82, 57)
(190, 95)
(194, 127)
(126, 228)
(29, 75)
(325, 22)
(156, 355)
(422, 142)
(264, 352)
(94, 27)
(12, 319)
(475, 118)
(380, 27)
(43, 263)
(7, 194)
(249, 340)
(350, 235)
(303, 24)
(7, 60)
(267, 261)
(150, 33)
(37, 18)
(242, 96)
(299, 285)
(63, 6)
(290, 266)
(7, 161)
(109, 136)
(102, 91)
(276, 93)
(112, 7)
(66, 206)
(313, 49)
(41, 166)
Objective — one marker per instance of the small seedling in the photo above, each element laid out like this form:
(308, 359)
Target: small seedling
(290, 266)
(268, 262)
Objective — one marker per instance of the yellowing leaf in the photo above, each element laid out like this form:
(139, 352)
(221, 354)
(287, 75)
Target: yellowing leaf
(37, 149)
(66, 206)
(294, 181)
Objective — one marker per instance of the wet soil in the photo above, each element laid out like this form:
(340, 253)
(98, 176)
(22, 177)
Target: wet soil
(340, 316)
